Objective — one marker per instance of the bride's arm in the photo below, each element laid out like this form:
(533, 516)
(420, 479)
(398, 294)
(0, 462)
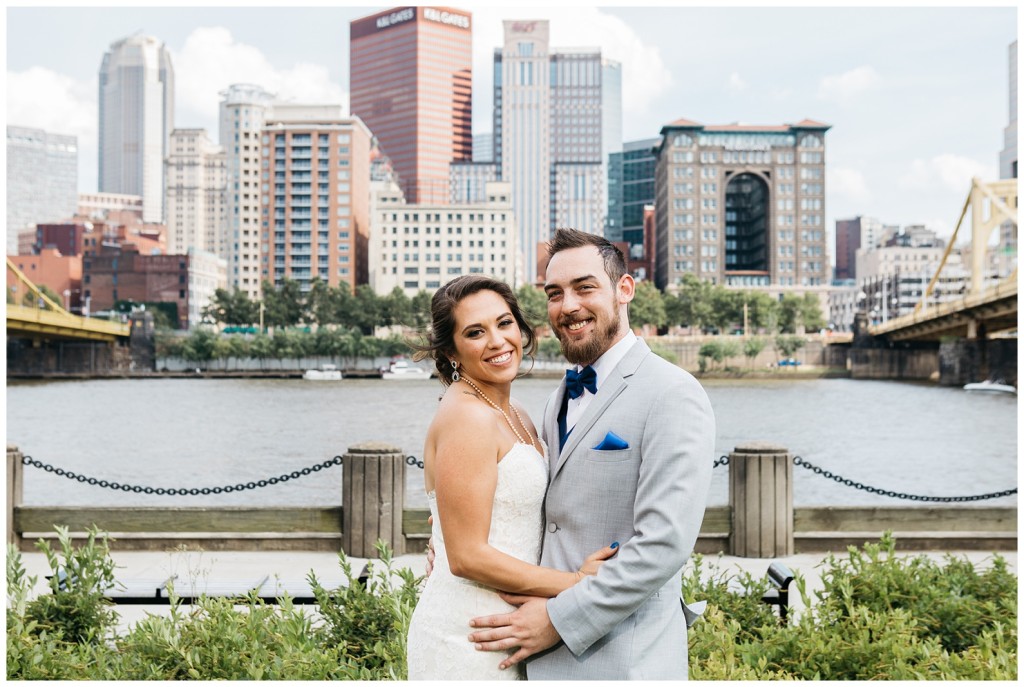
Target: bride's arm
(465, 478)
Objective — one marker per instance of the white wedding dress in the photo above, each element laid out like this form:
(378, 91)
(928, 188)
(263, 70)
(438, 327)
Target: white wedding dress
(438, 644)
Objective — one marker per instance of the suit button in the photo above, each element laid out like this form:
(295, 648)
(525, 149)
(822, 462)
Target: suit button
(552, 527)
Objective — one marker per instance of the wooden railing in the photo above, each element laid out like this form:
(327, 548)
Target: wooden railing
(760, 521)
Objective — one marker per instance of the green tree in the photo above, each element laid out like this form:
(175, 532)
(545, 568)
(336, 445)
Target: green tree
(712, 350)
(761, 311)
(321, 303)
(200, 346)
(752, 348)
(534, 303)
(647, 307)
(284, 305)
(366, 310)
(789, 313)
(233, 308)
(786, 346)
(420, 307)
(726, 308)
(261, 348)
(694, 307)
(810, 313)
(730, 349)
(396, 308)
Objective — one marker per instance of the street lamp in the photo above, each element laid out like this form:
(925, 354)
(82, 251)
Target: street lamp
(67, 299)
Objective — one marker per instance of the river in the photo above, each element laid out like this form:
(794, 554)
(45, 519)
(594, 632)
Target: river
(907, 437)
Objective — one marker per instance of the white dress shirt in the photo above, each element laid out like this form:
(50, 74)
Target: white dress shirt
(602, 366)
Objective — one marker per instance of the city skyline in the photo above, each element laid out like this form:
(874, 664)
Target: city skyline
(913, 118)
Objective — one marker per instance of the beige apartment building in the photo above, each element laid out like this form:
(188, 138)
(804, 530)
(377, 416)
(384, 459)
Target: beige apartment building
(742, 205)
(195, 174)
(314, 196)
(424, 246)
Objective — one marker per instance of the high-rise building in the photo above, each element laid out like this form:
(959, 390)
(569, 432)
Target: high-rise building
(742, 205)
(630, 190)
(410, 81)
(136, 116)
(196, 190)
(243, 110)
(557, 118)
(316, 208)
(483, 148)
(42, 180)
(425, 246)
(851, 235)
(1006, 257)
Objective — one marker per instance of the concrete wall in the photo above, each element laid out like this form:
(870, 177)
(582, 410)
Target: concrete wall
(888, 363)
(25, 358)
(963, 361)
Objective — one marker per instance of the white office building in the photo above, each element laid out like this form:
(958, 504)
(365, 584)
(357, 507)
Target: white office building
(424, 246)
(42, 180)
(136, 116)
(244, 109)
(196, 180)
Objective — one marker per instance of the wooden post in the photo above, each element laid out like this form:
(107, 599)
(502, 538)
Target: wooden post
(761, 498)
(373, 498)
(15, 492)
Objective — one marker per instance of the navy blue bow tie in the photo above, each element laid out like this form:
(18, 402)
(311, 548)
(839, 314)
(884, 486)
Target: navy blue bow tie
(576, 382)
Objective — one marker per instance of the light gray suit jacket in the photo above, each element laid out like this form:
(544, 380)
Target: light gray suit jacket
(626, 622)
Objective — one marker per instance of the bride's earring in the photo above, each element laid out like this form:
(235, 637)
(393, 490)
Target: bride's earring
(455, 371)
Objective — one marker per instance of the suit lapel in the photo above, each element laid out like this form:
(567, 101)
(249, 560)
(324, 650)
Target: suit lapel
(617, 381)
(551, 424)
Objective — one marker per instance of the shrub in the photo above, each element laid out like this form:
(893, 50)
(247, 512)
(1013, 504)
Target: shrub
(877, 617)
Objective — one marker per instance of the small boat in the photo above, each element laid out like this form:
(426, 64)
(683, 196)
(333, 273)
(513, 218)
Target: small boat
(996, 386)
(325, 373)
(401, 369)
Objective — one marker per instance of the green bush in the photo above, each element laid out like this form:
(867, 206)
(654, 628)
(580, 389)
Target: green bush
(877, 617)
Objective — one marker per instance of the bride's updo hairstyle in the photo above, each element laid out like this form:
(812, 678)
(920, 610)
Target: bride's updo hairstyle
(440, 339)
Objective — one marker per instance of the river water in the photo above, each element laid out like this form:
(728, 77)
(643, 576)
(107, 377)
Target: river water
(907, 437)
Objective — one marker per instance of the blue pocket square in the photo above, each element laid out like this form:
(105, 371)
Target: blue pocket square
(612, 442)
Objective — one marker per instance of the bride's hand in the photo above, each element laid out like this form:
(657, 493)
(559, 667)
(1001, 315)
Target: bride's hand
(594, 561)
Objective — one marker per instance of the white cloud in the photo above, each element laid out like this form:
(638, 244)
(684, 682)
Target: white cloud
(950, 172)
(845, 87)
(736, 83)
(211, 60)
(645, 76)
(849, 184)
(43, 99)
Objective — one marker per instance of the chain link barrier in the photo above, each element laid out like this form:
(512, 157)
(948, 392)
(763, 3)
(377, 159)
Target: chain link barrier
(800, 462)
(413, 461)
(193, 491)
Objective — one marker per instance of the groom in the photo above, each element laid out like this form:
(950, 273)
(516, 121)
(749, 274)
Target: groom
(637, 438)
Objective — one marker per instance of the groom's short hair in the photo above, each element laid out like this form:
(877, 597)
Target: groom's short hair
(614, 261)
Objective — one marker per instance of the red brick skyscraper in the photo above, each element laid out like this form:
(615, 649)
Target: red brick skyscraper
(410, 76)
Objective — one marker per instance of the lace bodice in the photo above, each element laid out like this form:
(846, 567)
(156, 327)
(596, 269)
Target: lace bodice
(438, 645)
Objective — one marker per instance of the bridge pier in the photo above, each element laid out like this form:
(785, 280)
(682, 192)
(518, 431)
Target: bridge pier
(962, 361)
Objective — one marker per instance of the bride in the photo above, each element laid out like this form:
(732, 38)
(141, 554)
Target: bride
(486, 474)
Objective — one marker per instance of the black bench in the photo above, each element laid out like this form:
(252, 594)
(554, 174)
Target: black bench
(780, 577)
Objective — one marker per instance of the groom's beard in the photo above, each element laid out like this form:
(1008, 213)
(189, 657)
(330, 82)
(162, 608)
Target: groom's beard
(593, 347)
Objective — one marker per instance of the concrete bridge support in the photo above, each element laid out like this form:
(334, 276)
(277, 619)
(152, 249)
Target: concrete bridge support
(962, 361)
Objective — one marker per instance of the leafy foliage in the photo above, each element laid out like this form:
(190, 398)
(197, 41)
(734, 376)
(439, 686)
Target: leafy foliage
(877, 616)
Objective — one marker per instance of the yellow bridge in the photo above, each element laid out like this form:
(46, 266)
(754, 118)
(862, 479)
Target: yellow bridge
(46, 319)
(982, 311)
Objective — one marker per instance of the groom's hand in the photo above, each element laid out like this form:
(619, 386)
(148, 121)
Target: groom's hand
(528, 628)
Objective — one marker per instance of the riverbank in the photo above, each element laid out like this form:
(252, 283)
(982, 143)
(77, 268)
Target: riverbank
(778, 373)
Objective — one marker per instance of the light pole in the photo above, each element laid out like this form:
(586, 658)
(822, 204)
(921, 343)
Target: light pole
(67, 299)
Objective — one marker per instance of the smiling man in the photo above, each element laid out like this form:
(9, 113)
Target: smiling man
(636, 438)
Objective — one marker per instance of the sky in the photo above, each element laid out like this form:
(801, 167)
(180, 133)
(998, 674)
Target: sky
(917, 97)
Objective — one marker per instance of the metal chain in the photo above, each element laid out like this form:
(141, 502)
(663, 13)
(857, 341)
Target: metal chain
(414, 462)
(161, 491)
(797, 460)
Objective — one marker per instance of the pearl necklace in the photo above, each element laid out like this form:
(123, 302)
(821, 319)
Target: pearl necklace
(494, 405)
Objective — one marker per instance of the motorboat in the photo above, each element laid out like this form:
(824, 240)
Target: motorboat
(324, 373)
(401, 369)
(996, 386)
